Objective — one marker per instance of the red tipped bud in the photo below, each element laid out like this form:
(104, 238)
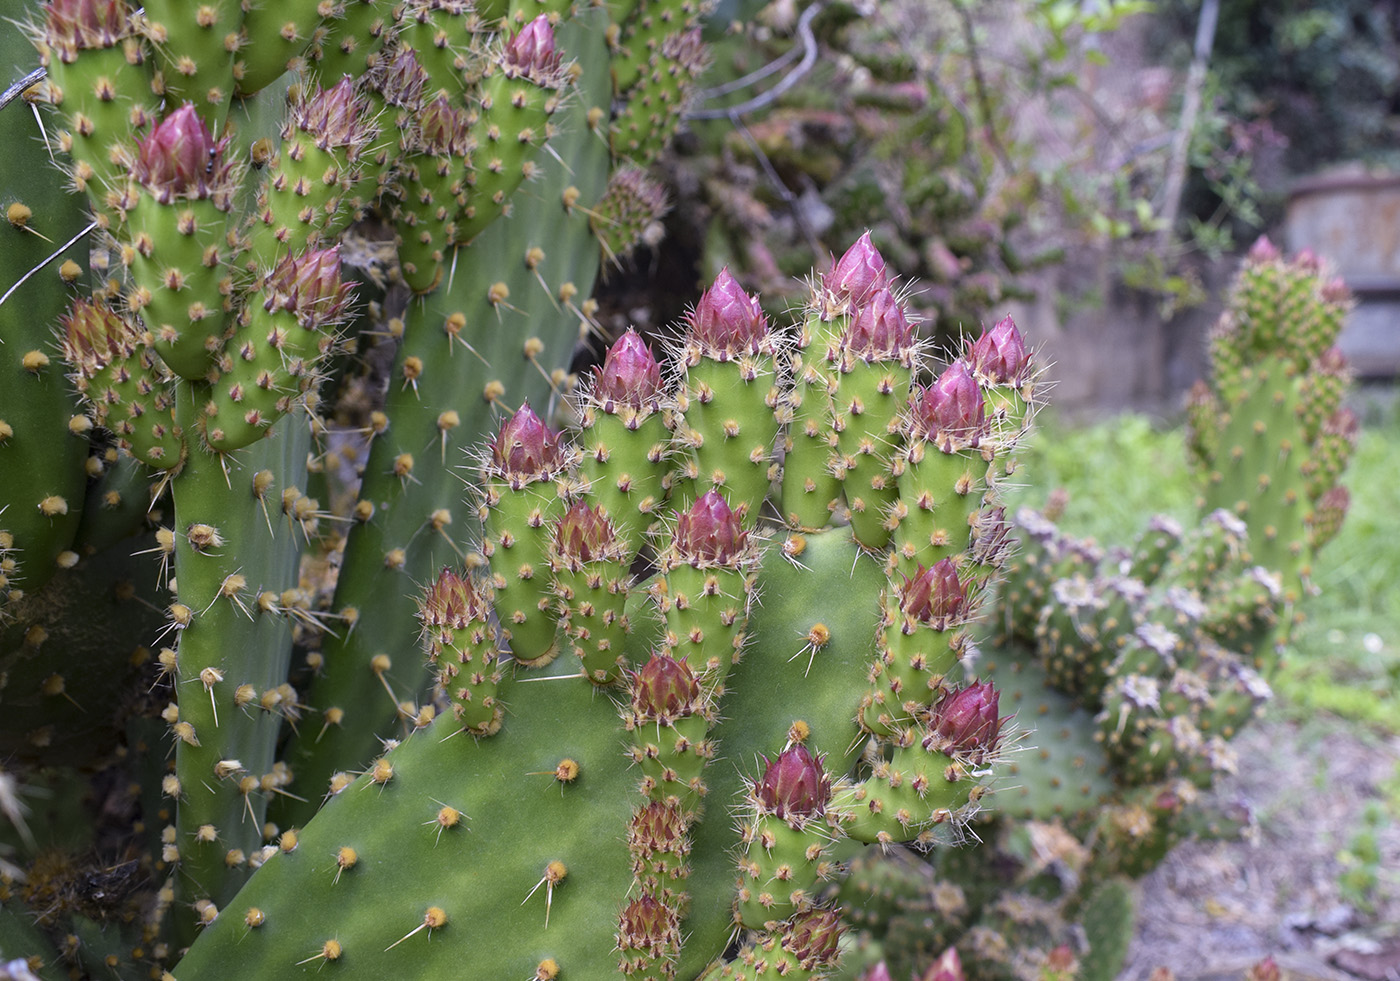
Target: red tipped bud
(1336, 290)
(584, 534)
(814, 938)
(660, 826)
(401, 81)
(178, 157)
(999, 356)
(1265, 970)
(950, 411)
(629, 375)
(794, 786)
(452, 602)
(934, 594)
(336, 117)
(309, 286)
(1308, 261)
(858, 273)
(710, 532)
(1344, 423)
(879, 330)
(880, 972)
(532, 50)
(665, 689)
(964, 722)
(526, 447)
(647, 924)
(94, 335)
(1263, 250)
(948, 967)
(727, 321)
(443, 128)
(76, 25)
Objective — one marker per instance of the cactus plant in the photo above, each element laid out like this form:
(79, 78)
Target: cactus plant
(381, 614)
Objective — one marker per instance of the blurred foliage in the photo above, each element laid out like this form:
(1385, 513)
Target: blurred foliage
(1324, 73)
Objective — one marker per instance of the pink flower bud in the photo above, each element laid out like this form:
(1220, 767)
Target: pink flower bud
(727, 320)
(999, 355)
(879, 329)
(178, 156)
(814, 938)
(660, 826)
(665, 689)
(1336, 290)
(858, 273)
(879, 972)
(525, 446)
(950, 410)
(948, 967)
(629, 375)
(532, 50)
(583, 533)
(794, 786)
(452, 602)
(710, 532)
(647, 924)
(934, 594)
(1263, 250)
(86, 24)
(964, 722)
(309, 286)
(336, 117)
(444, 129)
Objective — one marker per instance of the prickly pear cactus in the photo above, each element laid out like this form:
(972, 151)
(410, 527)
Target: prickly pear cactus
(1136, 666)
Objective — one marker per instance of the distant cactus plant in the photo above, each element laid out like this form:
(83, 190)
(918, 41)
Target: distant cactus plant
(363, 642)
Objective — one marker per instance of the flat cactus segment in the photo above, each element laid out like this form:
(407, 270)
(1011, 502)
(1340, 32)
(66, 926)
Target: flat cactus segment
(516, 294)
(195, 46)
(471, 862)
(41, 453)
(236, 556)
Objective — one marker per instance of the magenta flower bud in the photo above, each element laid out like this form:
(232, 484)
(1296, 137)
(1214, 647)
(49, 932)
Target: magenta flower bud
(1345, 423)
(951, 410)
(999, 355)
(532, 50)
(525, 446)
(710, 532)
(1263, 250)
(858, 273)
(727, 320)
(444, 129)
(337, 117)
(584, 534)
(964, 722)
(1336, 290)
(647, 924)
(401, 81)
(794, 786)
(948, 967)
(74, 25)
(452, 602)
(1308, 261)
(879, 330)
(934, 595)
(178, 156)
(879, 972)
(814, 938)
(309, 286)
(629, 375)
(665, 689)
(1265, 970)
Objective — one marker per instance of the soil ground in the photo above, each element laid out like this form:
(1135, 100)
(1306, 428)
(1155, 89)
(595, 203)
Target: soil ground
(1215, 908)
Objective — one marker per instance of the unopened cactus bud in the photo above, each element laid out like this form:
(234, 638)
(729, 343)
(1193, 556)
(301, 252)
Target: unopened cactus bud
(857, 274)
(532, 52)
(525, 448)
(584, 534)
(999, 356)
(710, 532)
(948, 967)
(648, 925)
(727, 322)
(309, 286)
(814, 938)
(630, 374)
(444, 129)
(179, 158)
(879, 330)
(337, 117)
(950, 412)
(935, 595)
(452, 602)
(877, 972)
(92, 335)
(74, 25)
(665, 689)
(795, 786)
(964, 723)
